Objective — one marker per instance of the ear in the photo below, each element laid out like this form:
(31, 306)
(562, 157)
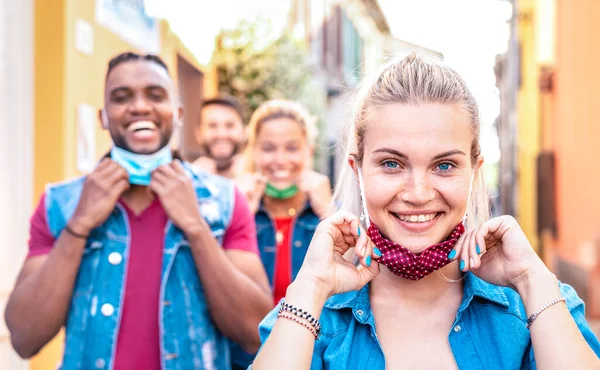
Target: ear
(178, 112)
(198, 129)
(310, 159)
(311, 151)
(353, 163)
(103, 118)
(478, 163)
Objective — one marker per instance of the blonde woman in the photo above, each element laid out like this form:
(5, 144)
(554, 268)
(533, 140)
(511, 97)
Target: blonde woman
(287, 196)
(426, 294)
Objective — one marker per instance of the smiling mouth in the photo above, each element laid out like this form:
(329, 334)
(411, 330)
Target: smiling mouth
(281, 175)
(417, 219)
(140, 126)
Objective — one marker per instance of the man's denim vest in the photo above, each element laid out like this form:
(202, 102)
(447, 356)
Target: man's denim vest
(189, 338)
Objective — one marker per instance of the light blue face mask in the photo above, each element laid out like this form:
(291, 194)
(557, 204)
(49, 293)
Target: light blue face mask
(140, 166)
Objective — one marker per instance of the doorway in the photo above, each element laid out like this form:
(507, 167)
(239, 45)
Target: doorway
(190, 82)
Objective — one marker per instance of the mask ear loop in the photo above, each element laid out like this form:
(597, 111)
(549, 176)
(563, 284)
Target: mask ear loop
(464, 220)
(365, 215)
(361, 186)
(440, 272)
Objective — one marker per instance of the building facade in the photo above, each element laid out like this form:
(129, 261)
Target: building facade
(557, 138)
(52, 72)
(348, 39)
(16, 153)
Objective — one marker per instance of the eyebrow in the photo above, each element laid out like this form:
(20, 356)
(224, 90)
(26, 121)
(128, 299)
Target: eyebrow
(128, 88)
(448, 154)
(402, 155)
(391, 151)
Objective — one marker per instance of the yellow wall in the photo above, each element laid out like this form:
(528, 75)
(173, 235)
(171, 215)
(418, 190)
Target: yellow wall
(65, 78)
(49, 90)
(528, 122)
(49, 118)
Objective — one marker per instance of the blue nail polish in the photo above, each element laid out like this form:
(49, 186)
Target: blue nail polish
(452, 254)
(359, 231)
(377, 252)
(477, 249)
(368, 261)
(462, 264)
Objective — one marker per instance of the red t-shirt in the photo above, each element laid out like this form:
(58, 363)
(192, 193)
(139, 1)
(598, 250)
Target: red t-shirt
(138, 344)
(283, 258)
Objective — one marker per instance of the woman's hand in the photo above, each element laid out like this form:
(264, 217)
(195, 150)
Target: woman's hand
(325, 267)
(252, 185)
(498, 252)
(318, 189)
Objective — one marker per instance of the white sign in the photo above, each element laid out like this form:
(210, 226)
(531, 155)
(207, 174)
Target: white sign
(86, 138)
(84, 37)
(130, 20)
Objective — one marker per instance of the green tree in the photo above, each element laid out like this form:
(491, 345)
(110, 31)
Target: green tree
(254, 66)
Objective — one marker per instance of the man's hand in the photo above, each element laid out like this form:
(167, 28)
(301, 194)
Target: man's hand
(101, 191)
(178, 197)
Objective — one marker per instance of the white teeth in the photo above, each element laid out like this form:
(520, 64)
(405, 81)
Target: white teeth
(417, 218)
(141, 125)
(281, 174)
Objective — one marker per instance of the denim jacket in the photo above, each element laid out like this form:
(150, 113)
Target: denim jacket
(488, 332)
(303, 228)
(188, 337)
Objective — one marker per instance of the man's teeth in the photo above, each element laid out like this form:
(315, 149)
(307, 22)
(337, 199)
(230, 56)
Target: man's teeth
(141, 125)
(417, 218)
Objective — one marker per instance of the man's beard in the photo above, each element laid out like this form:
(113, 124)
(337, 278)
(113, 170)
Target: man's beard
(223, 164)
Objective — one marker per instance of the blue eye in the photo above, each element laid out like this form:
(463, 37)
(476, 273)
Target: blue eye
(390, 164)
(444, 166)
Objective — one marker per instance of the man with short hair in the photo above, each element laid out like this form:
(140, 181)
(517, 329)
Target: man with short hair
(148, 263)
(220, 132)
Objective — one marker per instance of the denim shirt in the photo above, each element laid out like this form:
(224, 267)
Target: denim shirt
(303, 229)
(488, 332)
(188, 337)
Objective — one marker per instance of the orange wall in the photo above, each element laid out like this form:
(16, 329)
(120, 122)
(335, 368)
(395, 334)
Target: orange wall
(576, 124)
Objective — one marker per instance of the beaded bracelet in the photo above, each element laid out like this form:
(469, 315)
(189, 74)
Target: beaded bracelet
(532, 318)
(300, 313)
(299, 321)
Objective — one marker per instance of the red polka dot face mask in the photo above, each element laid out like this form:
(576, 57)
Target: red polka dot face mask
(401, 261)
(409, 265)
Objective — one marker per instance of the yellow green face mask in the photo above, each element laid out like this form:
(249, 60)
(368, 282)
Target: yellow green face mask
(276, 193)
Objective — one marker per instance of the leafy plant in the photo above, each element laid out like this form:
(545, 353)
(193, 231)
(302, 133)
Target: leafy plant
(254, 66)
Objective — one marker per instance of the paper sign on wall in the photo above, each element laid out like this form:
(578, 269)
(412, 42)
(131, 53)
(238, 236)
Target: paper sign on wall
(86, 137)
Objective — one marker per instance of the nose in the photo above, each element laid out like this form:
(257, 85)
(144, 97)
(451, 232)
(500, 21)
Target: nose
(222, 133)
(418, 190)
(140, 106)
(281, 159)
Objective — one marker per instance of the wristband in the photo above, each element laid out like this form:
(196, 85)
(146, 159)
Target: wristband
(80, 236)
